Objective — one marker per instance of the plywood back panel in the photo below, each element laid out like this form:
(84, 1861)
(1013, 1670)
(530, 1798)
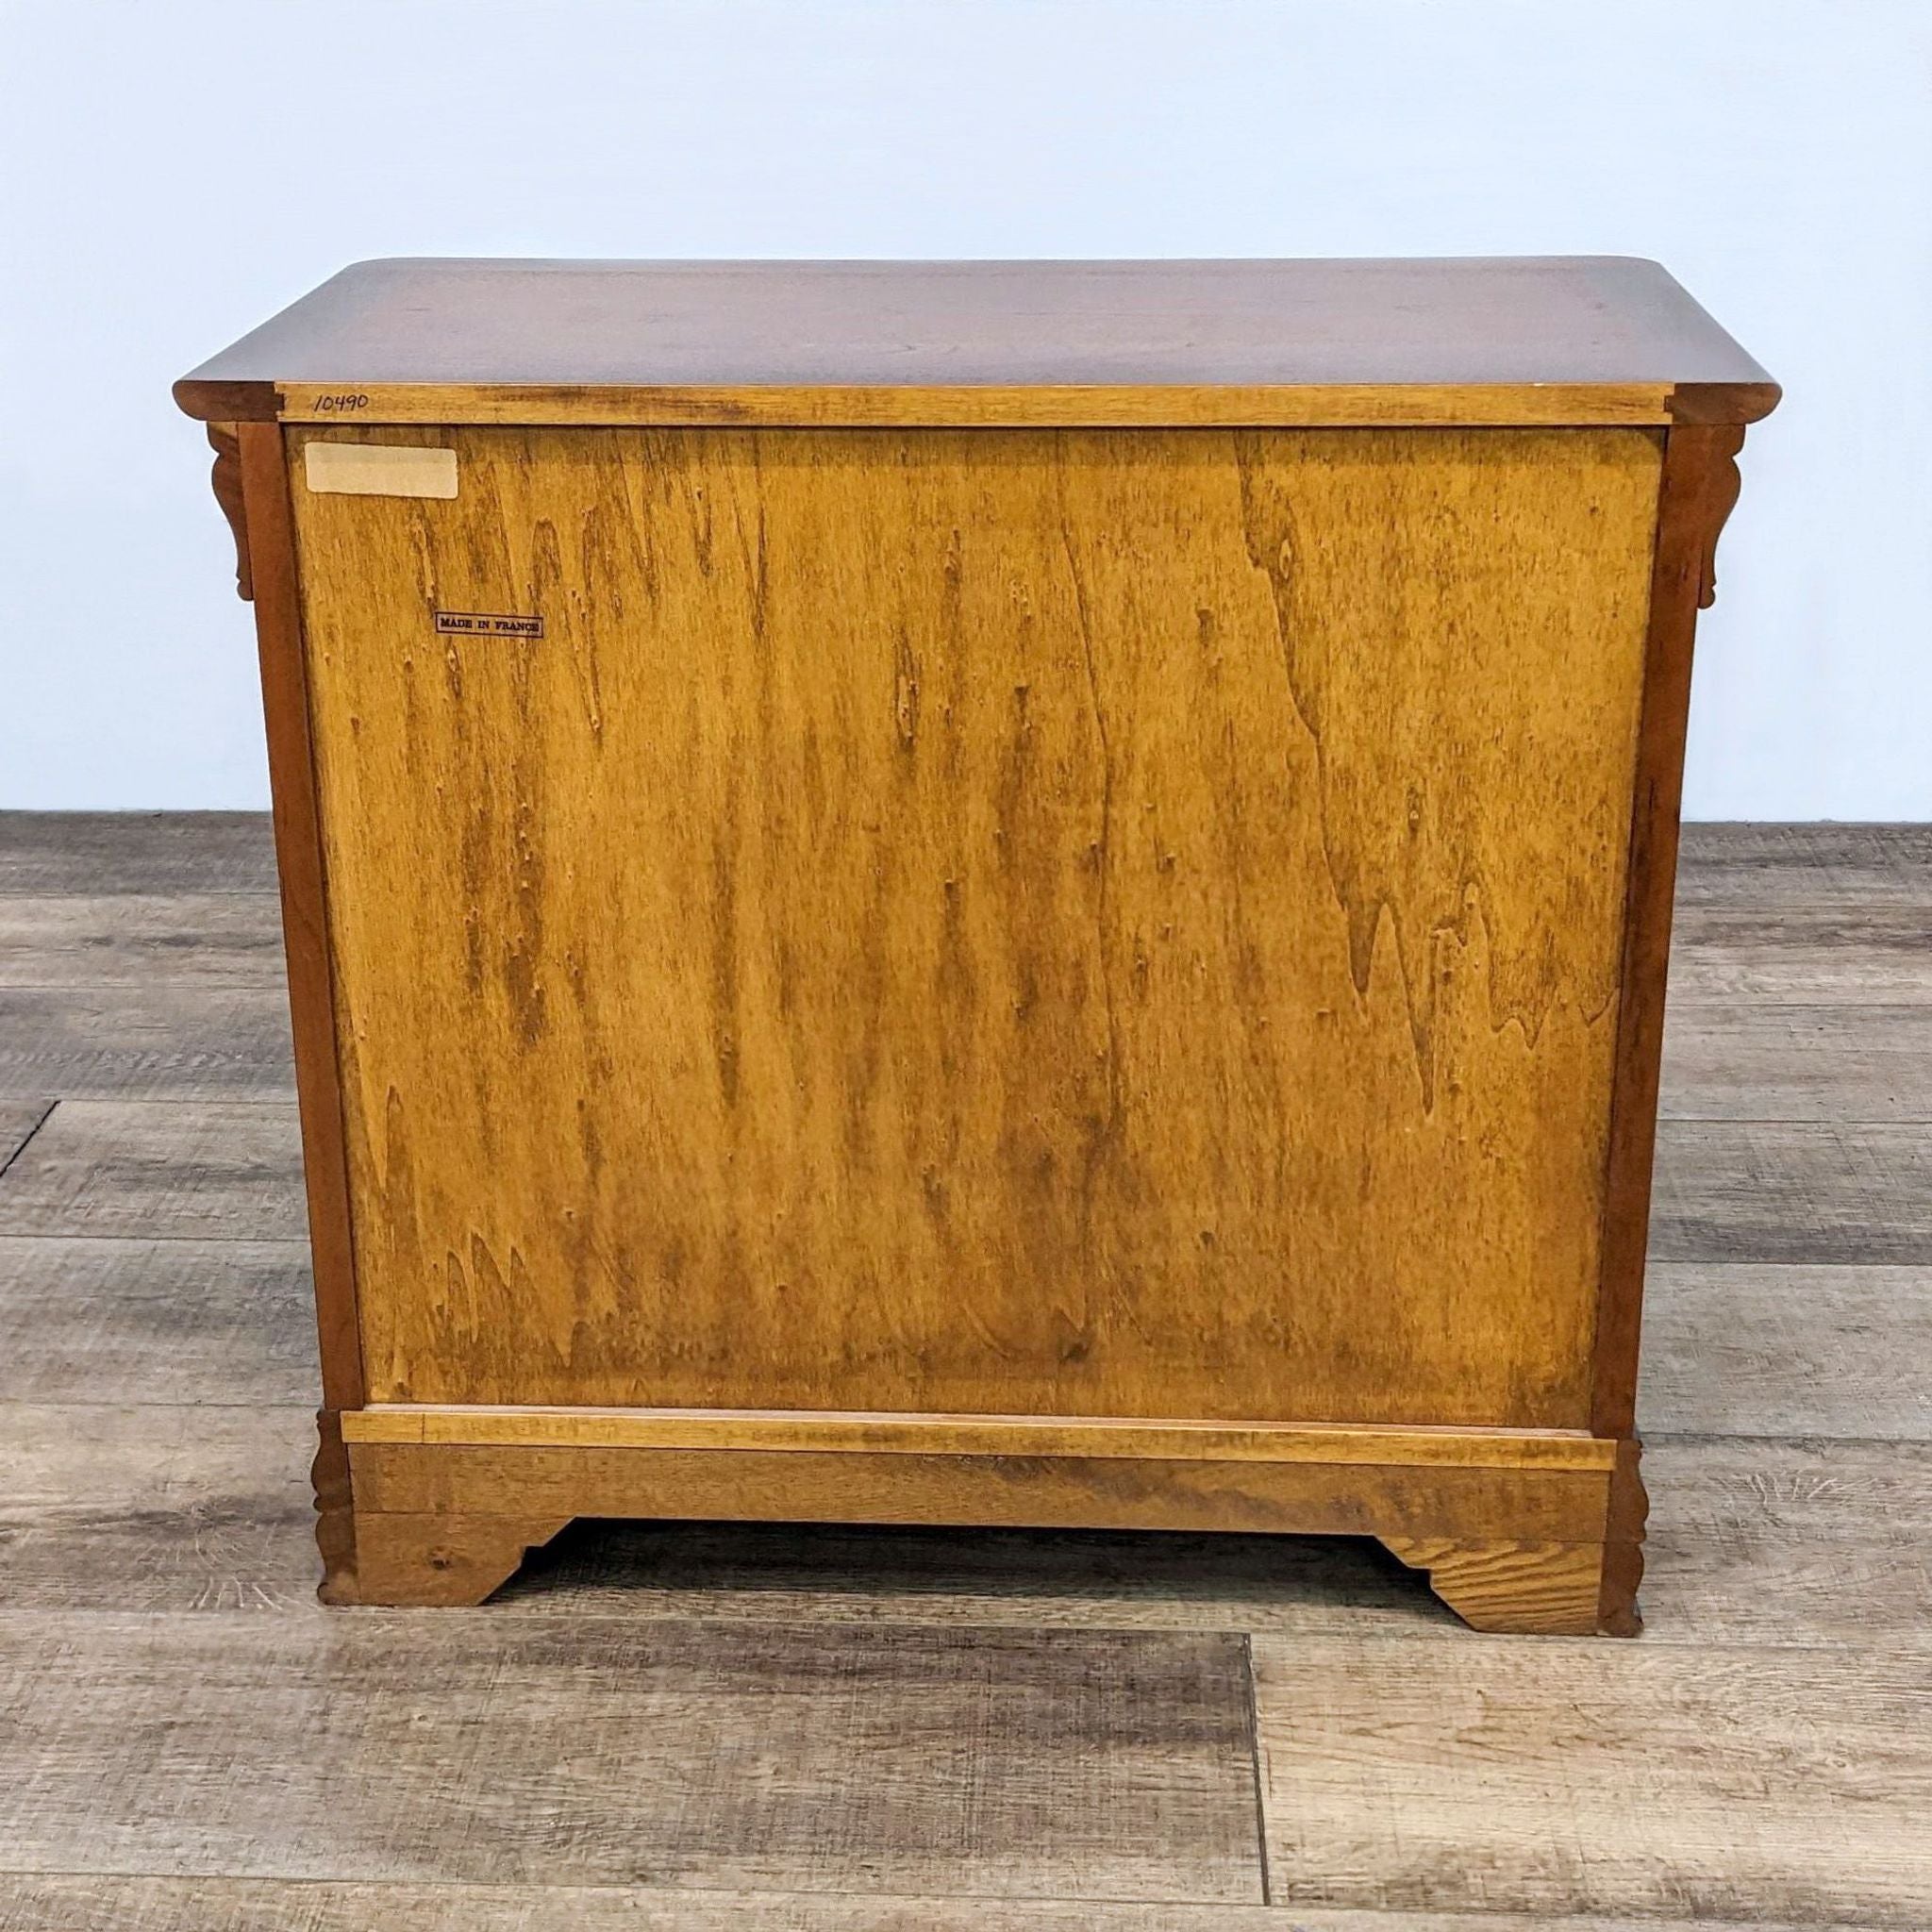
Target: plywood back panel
(1074, 923)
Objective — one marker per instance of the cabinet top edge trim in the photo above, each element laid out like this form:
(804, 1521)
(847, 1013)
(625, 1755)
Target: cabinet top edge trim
(989, 407)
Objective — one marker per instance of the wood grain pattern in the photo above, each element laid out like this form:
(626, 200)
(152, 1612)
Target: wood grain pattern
(1773, 868)
(1101, 1764)
(105, 1903)
(1767, 870)
(172, 1321)
(107, 998)
(984, 406)
(1779, 1348)
(1792, 1543)
(1153, 342)
(1793, 1191)
(980, 1435)
(1051, 760)
(203, 940)
(1091, 1492)
(224, 1170)
(1798, 955)
(1545, 1588)
(147, 1041)
(151, 1507)
(1535, 1590)
(1791, 955)
(1751, 1784)
(1758, 1062)
(150, 852)
(1789, 1350)
(432, 1489)
(424, 1563)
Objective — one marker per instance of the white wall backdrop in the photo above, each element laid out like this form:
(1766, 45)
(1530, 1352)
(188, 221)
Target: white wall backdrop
(169, 175)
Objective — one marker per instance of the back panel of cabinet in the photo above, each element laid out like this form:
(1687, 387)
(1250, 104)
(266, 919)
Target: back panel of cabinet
(1106, 922)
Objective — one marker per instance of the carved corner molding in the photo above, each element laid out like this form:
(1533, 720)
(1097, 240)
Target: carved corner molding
(335, 1516)
(226, 478)
(1624, 1533)
(1720, 499)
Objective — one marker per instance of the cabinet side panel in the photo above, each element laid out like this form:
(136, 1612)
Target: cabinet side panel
(269, 560)
(1078, 923)
(1699, 487)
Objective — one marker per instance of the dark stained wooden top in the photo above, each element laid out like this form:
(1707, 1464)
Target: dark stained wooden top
(1608, 322)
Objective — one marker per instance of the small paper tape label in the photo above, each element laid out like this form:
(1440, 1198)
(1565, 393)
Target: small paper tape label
(484, 624)
(378, 469)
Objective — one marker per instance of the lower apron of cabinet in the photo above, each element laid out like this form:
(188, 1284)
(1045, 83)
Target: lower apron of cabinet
(999, 976)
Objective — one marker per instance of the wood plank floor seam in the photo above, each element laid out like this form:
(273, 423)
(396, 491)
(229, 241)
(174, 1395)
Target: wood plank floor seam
(715, 1911)
(1773, 1120)
(1254, 1724)
(21, 1146)
(108, 986)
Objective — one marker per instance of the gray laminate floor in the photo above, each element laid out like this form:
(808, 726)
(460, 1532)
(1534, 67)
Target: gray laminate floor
(785, 1730)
